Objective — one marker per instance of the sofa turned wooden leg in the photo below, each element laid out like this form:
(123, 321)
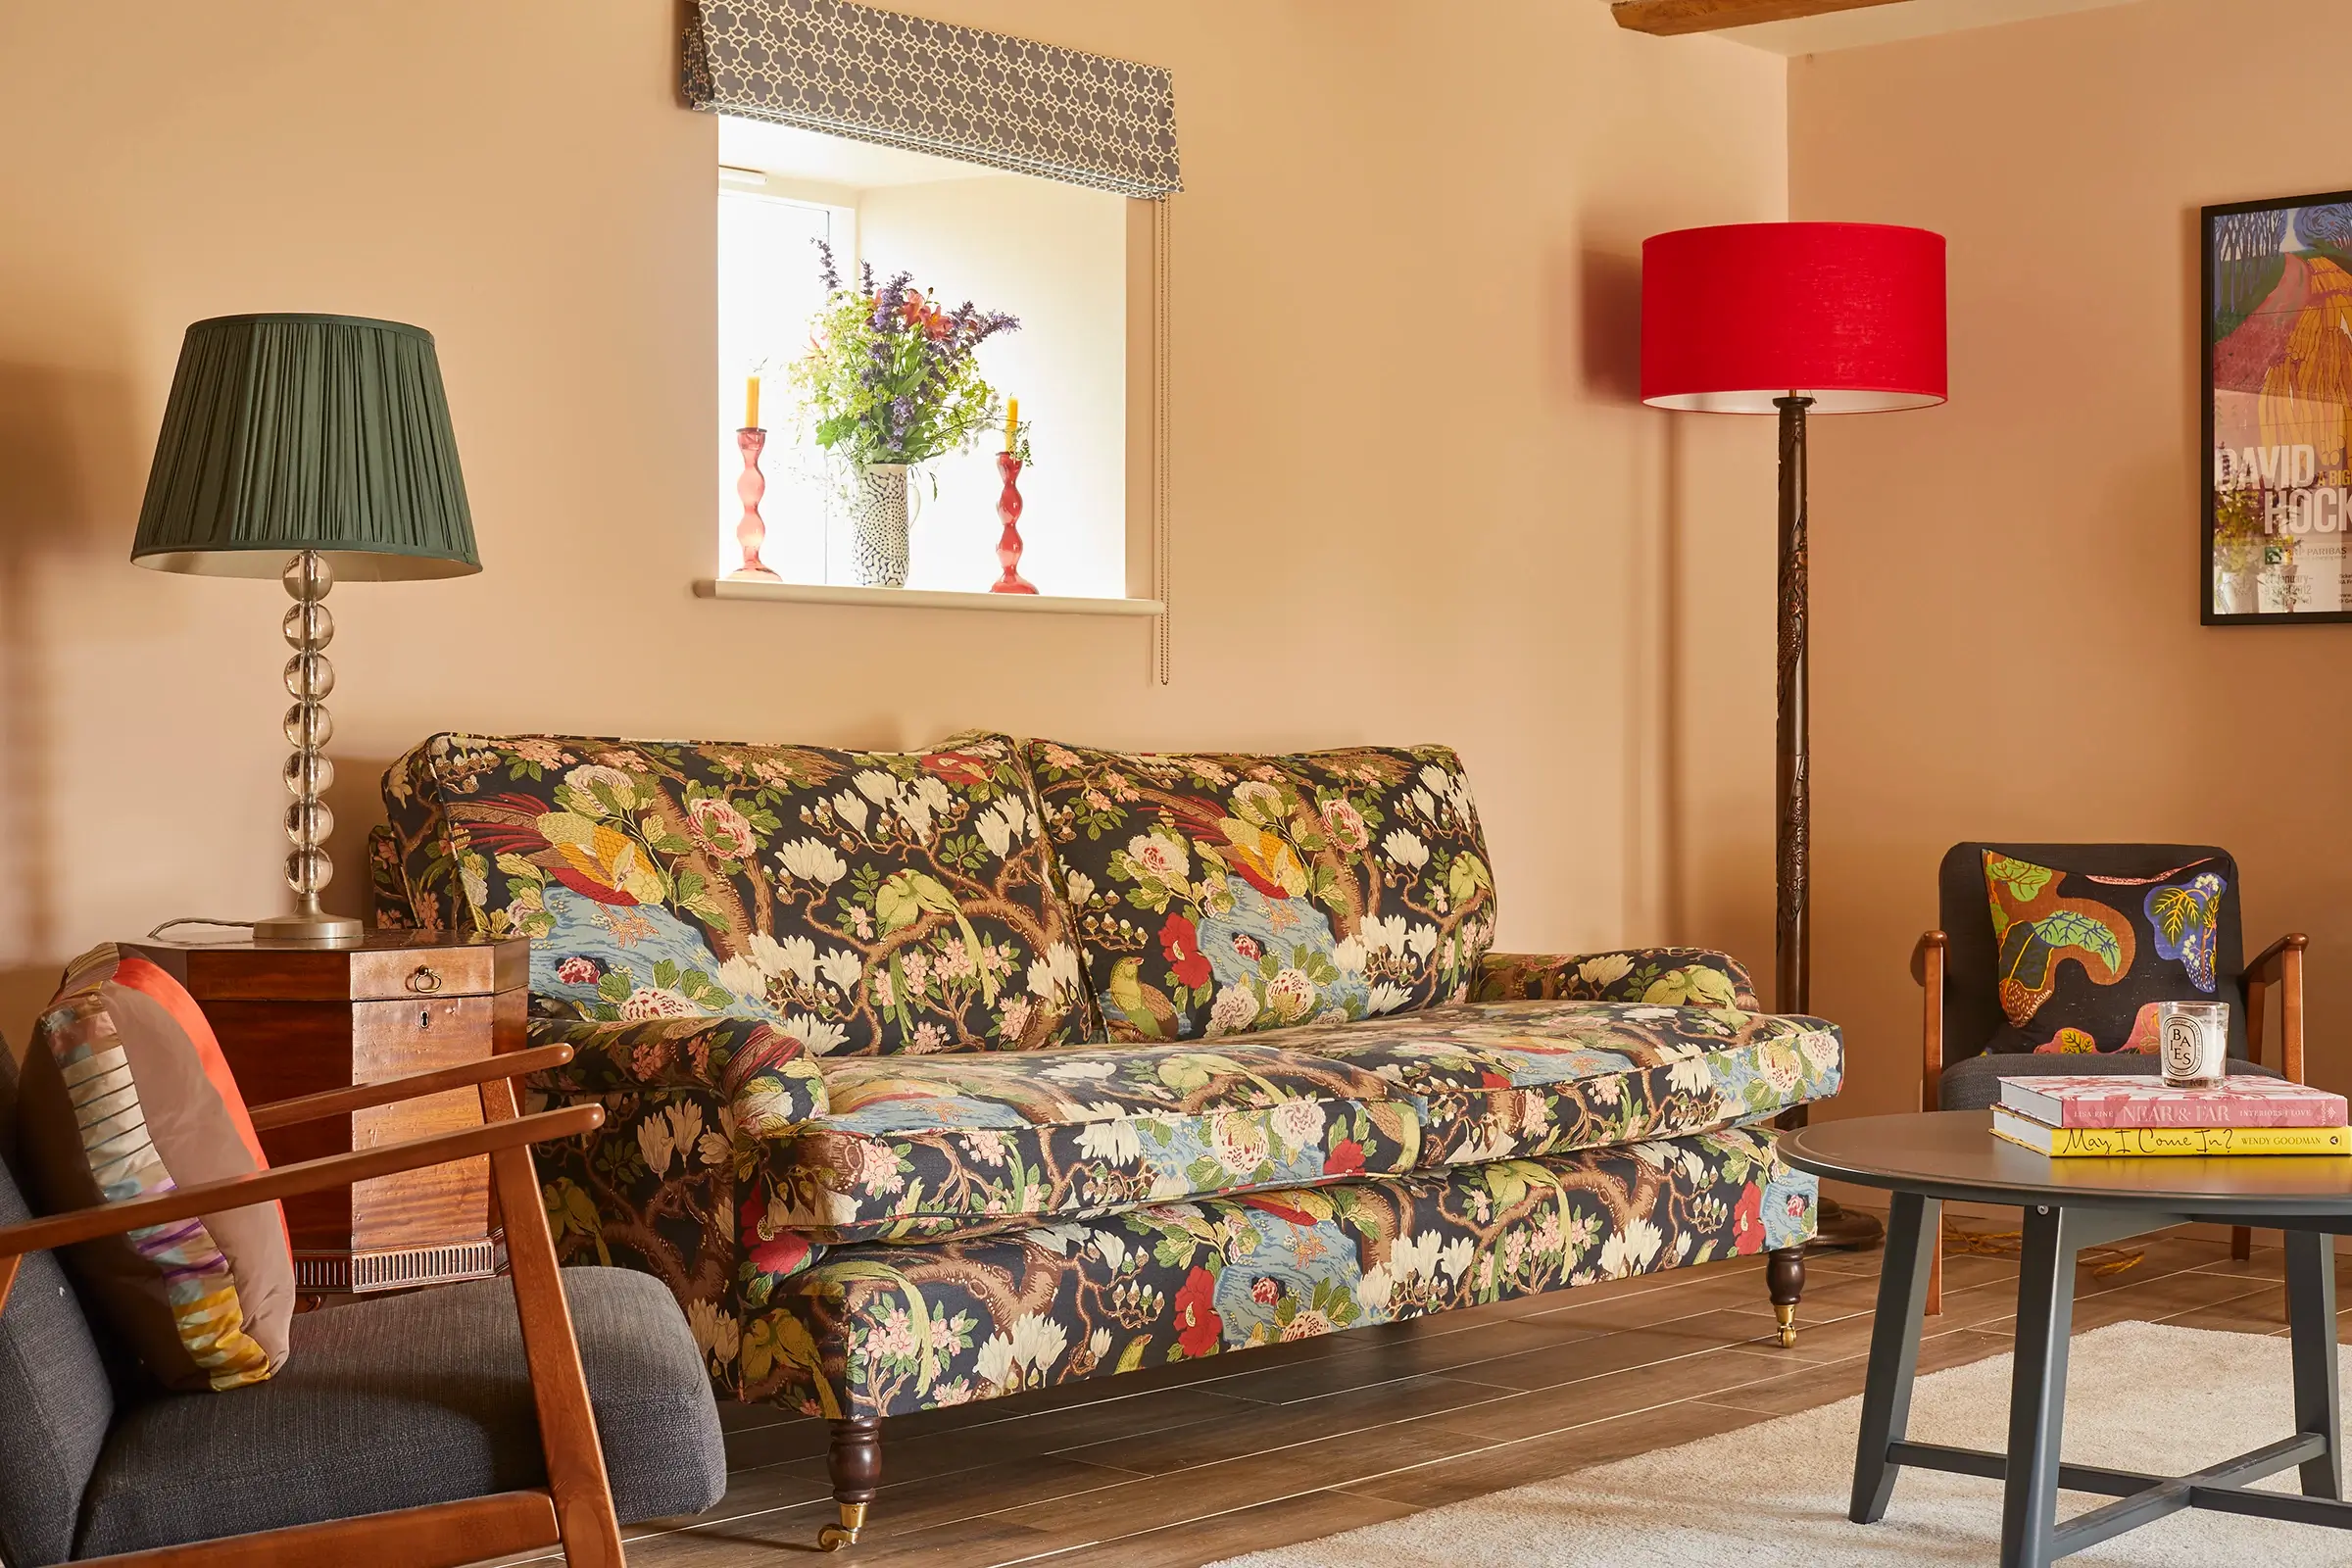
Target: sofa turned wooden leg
(1785, 1277)
(856, 1465)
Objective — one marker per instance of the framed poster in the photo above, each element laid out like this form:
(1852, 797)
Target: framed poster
(2277, 410)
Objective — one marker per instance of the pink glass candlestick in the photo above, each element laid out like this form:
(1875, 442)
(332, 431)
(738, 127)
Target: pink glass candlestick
(1009, 543)
(751, 533)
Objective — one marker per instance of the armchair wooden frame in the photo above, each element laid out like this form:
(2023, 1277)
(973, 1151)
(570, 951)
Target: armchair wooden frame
(2280, 966)
(574, 1512)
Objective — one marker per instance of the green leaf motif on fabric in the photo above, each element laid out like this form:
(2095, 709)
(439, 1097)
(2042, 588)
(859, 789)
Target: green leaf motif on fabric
(2024, 879)
(2172, 910)
(2071, 928)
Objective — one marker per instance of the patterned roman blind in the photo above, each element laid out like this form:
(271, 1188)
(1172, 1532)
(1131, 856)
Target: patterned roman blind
(905, 82)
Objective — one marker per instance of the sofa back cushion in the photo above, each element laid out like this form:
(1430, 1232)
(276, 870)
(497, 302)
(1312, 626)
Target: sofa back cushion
(864, 902)
(1222, 894)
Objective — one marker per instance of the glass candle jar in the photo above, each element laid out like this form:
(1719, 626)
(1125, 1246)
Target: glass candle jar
(2192, 1042)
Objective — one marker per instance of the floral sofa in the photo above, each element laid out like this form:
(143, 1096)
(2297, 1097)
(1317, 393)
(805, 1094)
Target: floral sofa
(946, 1075)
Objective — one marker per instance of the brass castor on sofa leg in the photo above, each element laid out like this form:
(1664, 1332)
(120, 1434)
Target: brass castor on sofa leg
(845, 1534)
(1785, 1278)
(854, 1464)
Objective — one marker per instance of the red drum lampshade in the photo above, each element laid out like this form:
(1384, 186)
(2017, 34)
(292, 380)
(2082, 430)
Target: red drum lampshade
(1850, 315)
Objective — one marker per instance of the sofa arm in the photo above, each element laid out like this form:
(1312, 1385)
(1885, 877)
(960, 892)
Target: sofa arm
(1666, 976)
(389, 888)
(672, 1185)
(763, 1076)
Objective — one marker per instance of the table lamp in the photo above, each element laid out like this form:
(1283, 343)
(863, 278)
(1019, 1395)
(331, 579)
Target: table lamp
(306, 448)
(1789, 319)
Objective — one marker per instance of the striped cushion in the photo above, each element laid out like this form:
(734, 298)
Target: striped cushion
(125, 1095)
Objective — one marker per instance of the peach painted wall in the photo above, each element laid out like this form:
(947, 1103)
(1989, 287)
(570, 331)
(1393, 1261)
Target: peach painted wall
(1414, 497)
(2006, 589)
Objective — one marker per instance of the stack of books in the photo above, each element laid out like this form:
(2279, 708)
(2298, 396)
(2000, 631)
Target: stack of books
(2132, 1116)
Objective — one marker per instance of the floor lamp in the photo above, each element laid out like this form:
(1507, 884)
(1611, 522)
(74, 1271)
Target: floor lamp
(1790, 320)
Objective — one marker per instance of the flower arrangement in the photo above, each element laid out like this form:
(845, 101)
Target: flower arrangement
(889, 376)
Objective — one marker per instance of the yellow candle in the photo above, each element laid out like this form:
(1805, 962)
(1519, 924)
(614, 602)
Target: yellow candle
(750, 404)
(1013, 422)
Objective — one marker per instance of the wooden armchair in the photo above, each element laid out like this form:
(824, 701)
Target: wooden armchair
(406, 1430)
(1955, 968)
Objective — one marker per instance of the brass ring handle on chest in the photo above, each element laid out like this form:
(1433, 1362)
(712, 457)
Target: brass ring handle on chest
(424, 982)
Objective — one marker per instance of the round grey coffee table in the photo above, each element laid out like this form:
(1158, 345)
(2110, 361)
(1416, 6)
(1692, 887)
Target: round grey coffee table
(1924, 1160)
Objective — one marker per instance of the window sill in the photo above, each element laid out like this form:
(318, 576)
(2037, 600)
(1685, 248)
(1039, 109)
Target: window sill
(810, 593)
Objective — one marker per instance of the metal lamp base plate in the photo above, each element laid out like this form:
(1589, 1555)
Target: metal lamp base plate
(309, 931)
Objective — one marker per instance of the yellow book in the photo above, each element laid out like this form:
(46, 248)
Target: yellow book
(2139, 1143)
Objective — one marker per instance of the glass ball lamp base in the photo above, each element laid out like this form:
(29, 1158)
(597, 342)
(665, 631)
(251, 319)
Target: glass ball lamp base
(309, 677)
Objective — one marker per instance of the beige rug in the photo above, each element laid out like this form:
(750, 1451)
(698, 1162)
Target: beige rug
(2139, 1396)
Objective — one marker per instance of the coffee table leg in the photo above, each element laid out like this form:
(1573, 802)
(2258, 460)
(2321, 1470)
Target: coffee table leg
(2045, 1319)
(1911, 1231)
(2311, 1309)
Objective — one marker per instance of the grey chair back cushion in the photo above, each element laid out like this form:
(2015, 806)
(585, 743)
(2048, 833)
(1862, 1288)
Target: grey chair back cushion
(55, 1401)
(415, 1399)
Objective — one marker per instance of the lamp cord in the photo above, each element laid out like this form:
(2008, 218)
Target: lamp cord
(196, 920)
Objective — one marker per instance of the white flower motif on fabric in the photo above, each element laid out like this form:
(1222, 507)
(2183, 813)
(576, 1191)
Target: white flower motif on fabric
(841, 970)
(1406, 849)
(851, 811)
(1055, 973)
(1606, 970)
(1113, 1142)
(817, 1035)
(812, 861)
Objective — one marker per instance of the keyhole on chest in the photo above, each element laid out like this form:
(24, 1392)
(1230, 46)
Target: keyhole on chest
(424, 1018)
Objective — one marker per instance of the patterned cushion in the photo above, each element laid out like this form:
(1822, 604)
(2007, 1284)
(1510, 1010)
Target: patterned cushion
(915, 1148)
(126, 1095)
(864, 902)
(1222, 894)
(2084, 957)
(1517, 1079)
(883, 1330)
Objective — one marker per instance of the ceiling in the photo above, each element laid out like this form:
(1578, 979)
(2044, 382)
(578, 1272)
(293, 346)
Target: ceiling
(1903, 19)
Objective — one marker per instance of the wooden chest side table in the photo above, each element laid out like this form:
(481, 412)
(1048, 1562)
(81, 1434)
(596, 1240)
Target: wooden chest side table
(299, 1020)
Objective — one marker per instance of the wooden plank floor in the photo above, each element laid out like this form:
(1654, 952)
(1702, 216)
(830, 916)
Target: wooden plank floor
(1182, 1465)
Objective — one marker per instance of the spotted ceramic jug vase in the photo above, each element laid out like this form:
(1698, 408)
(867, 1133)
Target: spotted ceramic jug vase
(878, 517)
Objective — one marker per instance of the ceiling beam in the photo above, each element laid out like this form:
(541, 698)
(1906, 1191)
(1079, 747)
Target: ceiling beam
(1667, 18)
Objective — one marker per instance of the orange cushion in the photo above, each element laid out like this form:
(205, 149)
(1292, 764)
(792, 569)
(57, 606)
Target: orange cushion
(125, 1094)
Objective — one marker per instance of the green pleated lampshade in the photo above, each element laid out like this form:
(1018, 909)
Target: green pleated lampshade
(286, 433)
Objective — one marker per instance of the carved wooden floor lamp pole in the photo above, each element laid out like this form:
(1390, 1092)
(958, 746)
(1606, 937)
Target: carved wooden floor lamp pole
(1791, 320)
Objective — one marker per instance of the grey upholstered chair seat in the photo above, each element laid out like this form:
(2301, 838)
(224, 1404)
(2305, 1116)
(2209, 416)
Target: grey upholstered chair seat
(414, 1399)
(1974, 1082)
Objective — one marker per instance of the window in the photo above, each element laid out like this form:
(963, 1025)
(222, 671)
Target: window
(768, 289)
(1051, 254)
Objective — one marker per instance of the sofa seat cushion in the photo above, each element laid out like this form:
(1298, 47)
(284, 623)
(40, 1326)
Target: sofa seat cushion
(881, 1330)
(409, 1401)
(926, 1147)
(1513, 1079)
